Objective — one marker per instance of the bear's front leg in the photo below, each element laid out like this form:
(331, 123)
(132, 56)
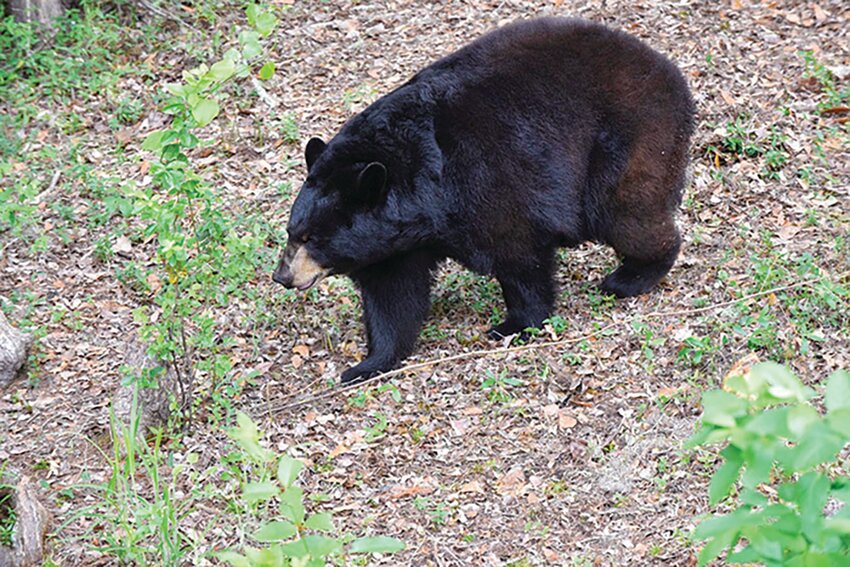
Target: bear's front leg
(529, 296)
(396, 297)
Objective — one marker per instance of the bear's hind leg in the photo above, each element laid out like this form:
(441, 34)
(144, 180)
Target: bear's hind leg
(529, 295)
(396, 299)
(645, 260)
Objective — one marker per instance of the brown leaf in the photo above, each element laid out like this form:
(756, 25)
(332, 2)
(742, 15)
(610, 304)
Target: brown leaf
(296, 361)
(728, 98)
(401, 491)
(122, 245)
(565, 420)
(513, 483)
(472, 486)
(154, 282)
(551, 410)
(303, 350)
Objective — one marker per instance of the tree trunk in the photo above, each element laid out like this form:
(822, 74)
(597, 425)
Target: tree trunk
(14, 346)
(42, 11)
(31, 519)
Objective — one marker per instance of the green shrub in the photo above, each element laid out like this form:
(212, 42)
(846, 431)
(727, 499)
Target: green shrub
(784, 452)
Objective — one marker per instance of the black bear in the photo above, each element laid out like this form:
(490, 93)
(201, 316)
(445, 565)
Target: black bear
(541, 134)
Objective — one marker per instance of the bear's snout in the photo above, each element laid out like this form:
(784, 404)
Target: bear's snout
(297, 268)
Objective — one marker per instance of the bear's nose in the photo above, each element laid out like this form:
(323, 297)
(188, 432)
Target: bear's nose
(283, 277)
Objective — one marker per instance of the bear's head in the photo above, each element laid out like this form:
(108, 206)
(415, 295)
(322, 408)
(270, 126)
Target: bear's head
(348, 214)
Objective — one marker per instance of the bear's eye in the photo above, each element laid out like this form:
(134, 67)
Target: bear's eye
(305, 238)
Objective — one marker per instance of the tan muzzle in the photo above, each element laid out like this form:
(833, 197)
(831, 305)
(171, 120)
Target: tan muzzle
(297, 268)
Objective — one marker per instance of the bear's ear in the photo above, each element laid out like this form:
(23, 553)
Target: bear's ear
(371, 183)
(314, 149)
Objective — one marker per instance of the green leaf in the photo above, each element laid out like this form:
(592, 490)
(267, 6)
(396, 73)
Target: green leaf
(247, 437)
(725, 476)
(153, 141)
(321, 522)
(271, 556)
(376, 544)
(734, 522)
(812, 493)
(321, 546)
(782, 384)
(716, 546)
(265, 23)
(222, 70)
(291, 504)
(233, 558)
(837, 394)
(770, 423)
(295, 549)
(275, 531)
(250, 42)
(722, 408)
(267, 71)
(759, 462)
(287, 470)
(251, 13)
(839, 421)
(205, 111)
(819, 445)
(800, 418)
(254, 492)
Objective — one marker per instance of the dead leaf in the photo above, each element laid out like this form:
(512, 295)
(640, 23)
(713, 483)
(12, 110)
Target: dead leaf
(551, 410)
(728, 98)
(401, 491)
(303, 350)
(296, 361)
(472, 486)
(154, 282)
(122, 245)
(565, 420)
(513, 483)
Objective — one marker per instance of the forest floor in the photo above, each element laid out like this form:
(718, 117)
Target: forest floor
(567, 454)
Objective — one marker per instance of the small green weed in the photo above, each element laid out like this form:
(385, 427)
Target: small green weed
(498, 386)
(292, 537)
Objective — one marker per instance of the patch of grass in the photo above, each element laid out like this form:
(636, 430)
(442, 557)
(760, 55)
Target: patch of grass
(7, 511)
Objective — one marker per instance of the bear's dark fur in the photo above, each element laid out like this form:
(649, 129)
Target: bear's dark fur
(541, 134)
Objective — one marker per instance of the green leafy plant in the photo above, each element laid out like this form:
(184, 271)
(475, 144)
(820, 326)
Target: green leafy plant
(497, 386)
(203, 254)
(293, 537)
(783, 450)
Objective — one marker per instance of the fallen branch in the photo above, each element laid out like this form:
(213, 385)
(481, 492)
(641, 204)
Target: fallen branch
(334, 391)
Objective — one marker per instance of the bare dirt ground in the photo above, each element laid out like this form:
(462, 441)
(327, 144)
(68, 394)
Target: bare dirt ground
(581, 462)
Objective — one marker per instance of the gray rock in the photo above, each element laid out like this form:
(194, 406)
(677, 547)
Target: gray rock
(14, 346)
